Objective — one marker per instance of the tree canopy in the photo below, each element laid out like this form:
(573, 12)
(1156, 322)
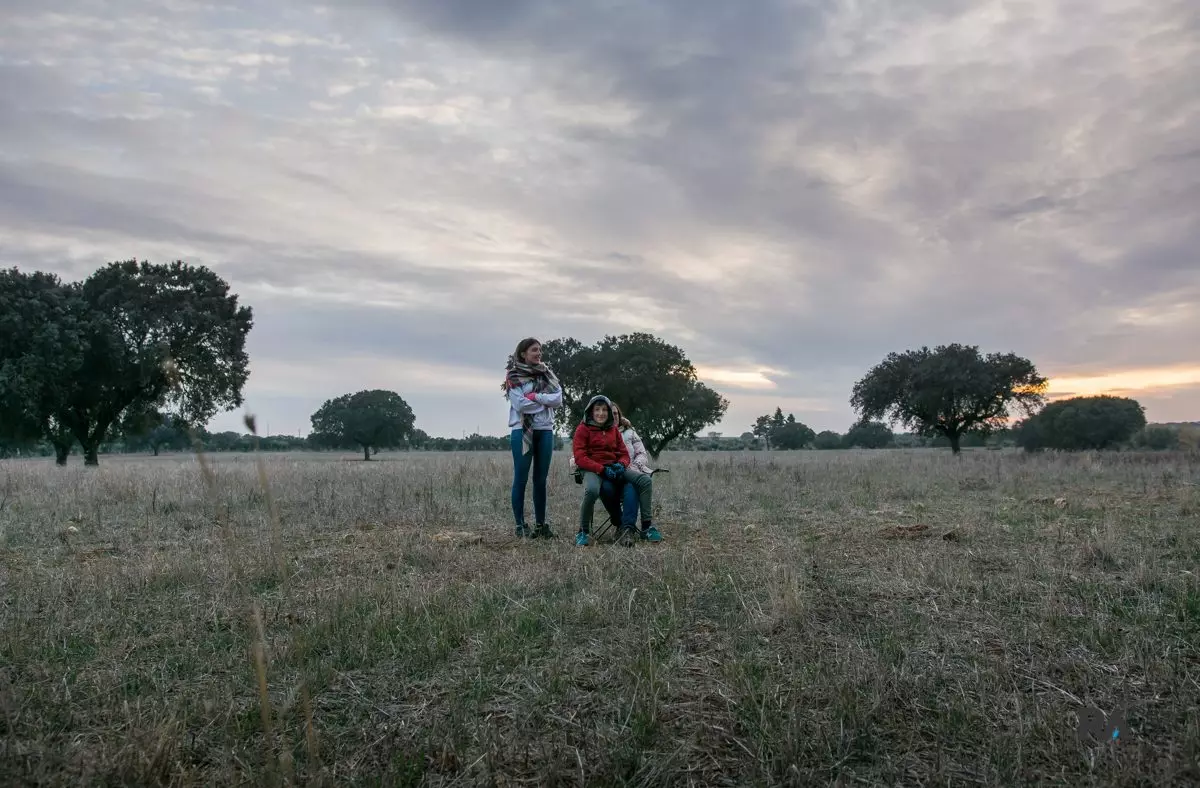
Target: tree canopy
(653, 383)
(869, 435)
(77, 359)
(1099, 422)
(951, 390)
(42, 327)
(827, 439)
(370, 419)
(780, 432)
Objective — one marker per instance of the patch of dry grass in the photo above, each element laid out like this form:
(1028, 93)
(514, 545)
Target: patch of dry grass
(896, 617)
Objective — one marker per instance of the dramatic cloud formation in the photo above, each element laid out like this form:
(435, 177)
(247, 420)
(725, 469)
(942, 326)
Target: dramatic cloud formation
(789, 190)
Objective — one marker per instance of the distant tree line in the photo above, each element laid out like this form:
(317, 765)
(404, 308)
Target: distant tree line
(139, 357)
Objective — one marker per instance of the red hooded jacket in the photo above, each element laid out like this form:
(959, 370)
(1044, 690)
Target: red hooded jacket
(595, 446)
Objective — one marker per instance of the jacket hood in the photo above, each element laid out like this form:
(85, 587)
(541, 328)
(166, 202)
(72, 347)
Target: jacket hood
(587, 413)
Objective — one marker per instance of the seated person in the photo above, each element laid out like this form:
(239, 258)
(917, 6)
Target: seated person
(599, 452)
(639, 460)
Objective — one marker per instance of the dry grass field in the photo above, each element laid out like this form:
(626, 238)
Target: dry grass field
(812, 618)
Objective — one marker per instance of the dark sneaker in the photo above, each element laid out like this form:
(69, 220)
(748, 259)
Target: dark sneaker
(523, 532)
(651, 534)
(625, 539)
(543, 532)
(582, 539)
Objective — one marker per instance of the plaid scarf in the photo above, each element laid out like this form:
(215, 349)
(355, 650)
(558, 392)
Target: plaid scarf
(518, 374)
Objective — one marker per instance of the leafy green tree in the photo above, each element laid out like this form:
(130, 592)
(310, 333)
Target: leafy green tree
(1078, 423)
(792, 434)
(168, 336)
(870, 435)
(951, 390)
(783, 432)
(765, 425)
(42, 326)
(653, 382)
(827, 439)
(750, 441)
(154, 430)
(79, 358)
(372, 419)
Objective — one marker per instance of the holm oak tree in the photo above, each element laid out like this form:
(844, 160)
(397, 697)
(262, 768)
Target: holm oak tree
(132, 337)
(951, 390)
(652, 381)
(372, 419)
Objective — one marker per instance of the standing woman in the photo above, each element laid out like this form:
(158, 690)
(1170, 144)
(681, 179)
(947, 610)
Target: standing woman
(533, 395)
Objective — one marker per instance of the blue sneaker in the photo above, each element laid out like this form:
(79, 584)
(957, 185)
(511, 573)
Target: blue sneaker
(582, 539)
(522, 531)
(651, 534)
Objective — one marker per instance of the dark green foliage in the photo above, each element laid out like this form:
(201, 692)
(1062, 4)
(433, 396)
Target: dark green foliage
(827, 439)
(782, 432)
(1100, 422)
(869, 435)
(373, 419)
(951, 390)
(78, 360)
(653, 382)
(1159, 437)
(142, 430)
(170, 336)
(42, 329)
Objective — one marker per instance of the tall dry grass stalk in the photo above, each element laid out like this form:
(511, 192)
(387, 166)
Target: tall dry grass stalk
(277, 544)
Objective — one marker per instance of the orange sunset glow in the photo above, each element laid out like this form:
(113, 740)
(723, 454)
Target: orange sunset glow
(1124, 381)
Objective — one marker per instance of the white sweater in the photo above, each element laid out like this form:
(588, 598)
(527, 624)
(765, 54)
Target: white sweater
(542, 407)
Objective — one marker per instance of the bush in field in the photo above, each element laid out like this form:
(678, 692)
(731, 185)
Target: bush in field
(1158, 437)
(1078, 423)
(827, 439)
(869, 435)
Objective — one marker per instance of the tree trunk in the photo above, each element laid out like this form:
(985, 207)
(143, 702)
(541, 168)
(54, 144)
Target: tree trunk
(61, 452)
(656, 447)
(90, 441)
(366, 452)
(155, 447)
(955, 438)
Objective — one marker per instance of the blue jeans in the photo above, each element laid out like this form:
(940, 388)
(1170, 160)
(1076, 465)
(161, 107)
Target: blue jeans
(539, 460)
(629, 505)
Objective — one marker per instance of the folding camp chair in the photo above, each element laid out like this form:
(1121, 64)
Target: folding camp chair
(608, 523)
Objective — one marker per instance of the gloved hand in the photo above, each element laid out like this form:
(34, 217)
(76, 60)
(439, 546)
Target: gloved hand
(531, 396)
(618, 468)
(610, 473)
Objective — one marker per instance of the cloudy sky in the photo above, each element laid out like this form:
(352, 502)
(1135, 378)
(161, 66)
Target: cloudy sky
(787, 189)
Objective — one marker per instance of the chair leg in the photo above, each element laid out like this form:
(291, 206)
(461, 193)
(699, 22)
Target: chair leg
(603, 527)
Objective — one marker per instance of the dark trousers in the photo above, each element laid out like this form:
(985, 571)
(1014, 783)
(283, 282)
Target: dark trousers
(539, 462)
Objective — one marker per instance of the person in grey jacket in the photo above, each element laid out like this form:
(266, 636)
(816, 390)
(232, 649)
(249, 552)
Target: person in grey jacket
(533, 394)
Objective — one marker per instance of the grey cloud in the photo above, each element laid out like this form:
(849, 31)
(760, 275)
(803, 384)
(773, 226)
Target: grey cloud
(89, 202)
(861, 183)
